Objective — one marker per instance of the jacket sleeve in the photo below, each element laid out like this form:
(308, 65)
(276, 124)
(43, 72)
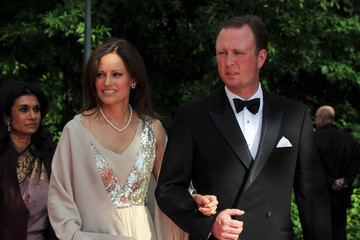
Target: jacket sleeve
(172, 192)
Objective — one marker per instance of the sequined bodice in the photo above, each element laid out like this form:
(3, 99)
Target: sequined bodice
(134, 190)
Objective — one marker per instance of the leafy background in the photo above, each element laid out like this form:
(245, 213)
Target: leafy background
(314, 52)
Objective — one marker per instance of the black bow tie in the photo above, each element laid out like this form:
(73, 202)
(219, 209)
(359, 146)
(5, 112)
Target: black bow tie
(252, 105)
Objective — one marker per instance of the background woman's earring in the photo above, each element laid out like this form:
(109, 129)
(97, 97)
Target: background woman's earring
(133, 85)
(8, 126)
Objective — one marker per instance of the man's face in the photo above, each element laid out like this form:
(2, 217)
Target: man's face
(319, 120)
(237, 60)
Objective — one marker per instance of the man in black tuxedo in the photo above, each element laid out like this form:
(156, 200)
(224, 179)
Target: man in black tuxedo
(339, 153)
(249, 147)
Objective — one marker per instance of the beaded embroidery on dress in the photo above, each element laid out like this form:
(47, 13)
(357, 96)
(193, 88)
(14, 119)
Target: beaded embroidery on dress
(133, 192)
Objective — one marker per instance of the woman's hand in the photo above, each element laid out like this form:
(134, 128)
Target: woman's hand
(207, 203)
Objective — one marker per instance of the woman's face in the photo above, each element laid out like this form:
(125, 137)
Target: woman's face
(113, 80)
(25, 115)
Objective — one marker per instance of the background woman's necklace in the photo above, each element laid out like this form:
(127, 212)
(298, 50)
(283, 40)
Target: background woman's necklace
(113, 125)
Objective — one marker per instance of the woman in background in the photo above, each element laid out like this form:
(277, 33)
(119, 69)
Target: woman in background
(26, 151)
(107, 154)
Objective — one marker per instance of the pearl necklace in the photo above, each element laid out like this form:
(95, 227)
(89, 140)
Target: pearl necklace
(113, 125)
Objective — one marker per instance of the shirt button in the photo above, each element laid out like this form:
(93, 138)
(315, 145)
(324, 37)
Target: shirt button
(247, 121)
(268, 214)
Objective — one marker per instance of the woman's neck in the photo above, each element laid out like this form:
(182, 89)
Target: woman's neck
(20, 141)
(117, 114)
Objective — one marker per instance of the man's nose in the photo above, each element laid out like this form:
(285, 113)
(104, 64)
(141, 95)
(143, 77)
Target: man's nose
(229, 58)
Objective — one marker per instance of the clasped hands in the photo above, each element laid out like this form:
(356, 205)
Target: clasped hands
(339, 184)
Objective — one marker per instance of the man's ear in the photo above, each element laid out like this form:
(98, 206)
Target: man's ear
(262, 55)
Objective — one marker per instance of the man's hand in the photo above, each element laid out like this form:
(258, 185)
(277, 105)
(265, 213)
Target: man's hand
(339, 184)
(225, 227)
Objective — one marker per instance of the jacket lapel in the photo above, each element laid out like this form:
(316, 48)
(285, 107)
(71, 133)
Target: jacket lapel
(224, 119)
(270, 130)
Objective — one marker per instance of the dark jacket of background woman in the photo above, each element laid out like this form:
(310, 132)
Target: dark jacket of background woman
(14, 214)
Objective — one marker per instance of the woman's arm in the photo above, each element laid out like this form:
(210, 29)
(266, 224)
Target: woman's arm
(63, 211)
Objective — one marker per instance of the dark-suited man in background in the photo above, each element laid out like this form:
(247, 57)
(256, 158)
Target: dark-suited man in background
(339, 153)
(249, 147)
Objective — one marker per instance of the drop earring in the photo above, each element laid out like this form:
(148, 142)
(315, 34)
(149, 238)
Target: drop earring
(133, 85)
(8, 126)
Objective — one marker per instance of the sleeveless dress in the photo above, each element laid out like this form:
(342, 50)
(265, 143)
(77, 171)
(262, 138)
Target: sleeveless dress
(127, 188)
(96, 193)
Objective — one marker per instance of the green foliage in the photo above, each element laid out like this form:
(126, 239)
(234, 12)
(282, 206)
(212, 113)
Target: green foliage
(44, 44)
(353, 222)
(296, 220)
(313, 51)
(353, 218)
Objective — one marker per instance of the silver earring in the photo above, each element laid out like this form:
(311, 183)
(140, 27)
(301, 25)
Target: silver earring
(8, 126)
(133, 85)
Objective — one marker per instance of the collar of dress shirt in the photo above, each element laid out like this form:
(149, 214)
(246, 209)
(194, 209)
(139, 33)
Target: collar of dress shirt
(257, 94)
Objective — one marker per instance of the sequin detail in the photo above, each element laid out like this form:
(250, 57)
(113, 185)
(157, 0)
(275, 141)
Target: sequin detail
(29, 167)
(134, 191)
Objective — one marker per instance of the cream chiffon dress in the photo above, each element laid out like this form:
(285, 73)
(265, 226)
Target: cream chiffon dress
(98, 194)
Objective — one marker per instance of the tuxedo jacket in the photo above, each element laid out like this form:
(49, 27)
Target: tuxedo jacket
(14, 214)
(206, 146)
(339, 154)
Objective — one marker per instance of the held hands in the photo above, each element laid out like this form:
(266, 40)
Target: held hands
(225, 227)
(207, 203)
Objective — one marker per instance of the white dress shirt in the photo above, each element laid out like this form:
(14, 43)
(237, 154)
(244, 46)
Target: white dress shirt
(250, 124)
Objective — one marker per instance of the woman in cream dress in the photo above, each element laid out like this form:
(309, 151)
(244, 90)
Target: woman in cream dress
(107, 154)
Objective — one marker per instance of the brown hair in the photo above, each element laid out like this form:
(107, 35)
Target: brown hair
(256, 25)
(139, 97)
